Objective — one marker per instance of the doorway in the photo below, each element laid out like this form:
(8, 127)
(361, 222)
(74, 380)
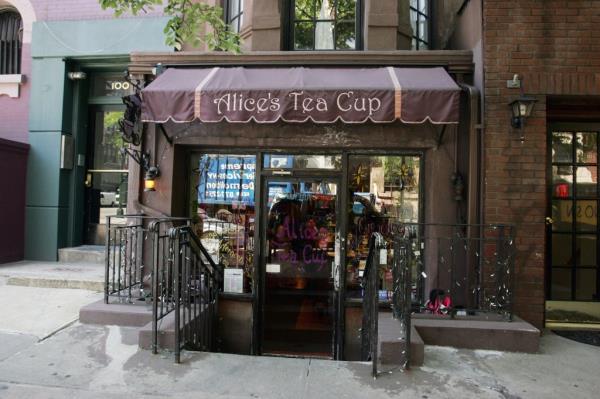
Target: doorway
(106, 175)
(302, 257)
(573, 286)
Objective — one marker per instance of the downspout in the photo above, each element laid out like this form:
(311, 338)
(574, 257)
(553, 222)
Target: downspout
(475, 183)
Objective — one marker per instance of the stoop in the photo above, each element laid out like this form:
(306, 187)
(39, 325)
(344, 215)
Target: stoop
(131, 315)
(391, 344)
(83, 253)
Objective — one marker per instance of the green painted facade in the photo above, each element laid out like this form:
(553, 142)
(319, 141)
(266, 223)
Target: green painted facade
(54, 213)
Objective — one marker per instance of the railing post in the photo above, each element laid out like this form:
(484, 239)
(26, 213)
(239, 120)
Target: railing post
(174, 235)
(154, 228)
(373, 280)
(107, 261)
(407, 299)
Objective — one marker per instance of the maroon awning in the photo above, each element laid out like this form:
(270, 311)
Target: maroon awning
(321, 95)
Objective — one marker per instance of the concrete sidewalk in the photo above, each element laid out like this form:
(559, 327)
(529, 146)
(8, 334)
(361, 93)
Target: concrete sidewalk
(85, 361)
(46, 353)
(78, 275)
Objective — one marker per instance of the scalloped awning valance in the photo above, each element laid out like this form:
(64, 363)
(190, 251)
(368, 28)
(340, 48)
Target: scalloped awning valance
(296, 95)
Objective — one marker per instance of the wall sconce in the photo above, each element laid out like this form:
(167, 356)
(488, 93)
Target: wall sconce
(521, 109)
(149, 182)
(143, 159)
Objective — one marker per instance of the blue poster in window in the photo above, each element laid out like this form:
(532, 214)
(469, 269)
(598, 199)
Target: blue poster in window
(227, 179)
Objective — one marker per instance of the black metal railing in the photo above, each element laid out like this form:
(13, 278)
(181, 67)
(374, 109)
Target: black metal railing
(459, 270)
(198, 281)
(402, 296)
(370, 305)
(187, 282)
(467, 271)
(128, 263)
(124, 271)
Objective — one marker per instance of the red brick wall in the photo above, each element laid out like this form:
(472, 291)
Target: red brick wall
(554, 46)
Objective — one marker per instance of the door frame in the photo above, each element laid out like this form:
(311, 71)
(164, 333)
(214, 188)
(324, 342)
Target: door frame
(568, 127)
(92, 110)
(333, 176)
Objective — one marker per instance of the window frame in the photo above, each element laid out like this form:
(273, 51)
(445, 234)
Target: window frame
(14, 64)
(416, 41)
(238, 18)
(290, 22)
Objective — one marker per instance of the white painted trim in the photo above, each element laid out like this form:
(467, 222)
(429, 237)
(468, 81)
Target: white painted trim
(10, 85)
(25, 8)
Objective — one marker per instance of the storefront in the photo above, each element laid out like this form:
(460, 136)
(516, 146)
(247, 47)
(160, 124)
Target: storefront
(287, 171)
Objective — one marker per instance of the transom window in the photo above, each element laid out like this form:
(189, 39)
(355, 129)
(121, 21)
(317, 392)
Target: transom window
(11, 37)
(324, 24)
(419, 19)
(235, 14)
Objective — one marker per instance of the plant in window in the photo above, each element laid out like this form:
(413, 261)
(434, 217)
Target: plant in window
(191, 22)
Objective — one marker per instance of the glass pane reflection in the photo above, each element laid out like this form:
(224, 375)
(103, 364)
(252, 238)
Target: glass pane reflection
(384, 190)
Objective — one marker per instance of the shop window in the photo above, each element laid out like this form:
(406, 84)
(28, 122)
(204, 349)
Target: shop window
(419, 19)
(300, 162)
(235, 14)
(223, 214)
(325, 24)
(11, 38)
(384, 197)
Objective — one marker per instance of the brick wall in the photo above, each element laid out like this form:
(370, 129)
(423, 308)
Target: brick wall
(554, 47)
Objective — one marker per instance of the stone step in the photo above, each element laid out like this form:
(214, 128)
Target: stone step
(126, 314)
(83, 253)
(391, 344)
(82, 275)
(508, 336)
(166, 332)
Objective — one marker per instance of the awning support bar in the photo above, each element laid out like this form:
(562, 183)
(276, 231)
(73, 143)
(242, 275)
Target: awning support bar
(440, 136)
(164, 132)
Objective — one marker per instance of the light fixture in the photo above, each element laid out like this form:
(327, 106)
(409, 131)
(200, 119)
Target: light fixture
(143, 159)
(149, 179)
(79, 75)
(521, 109)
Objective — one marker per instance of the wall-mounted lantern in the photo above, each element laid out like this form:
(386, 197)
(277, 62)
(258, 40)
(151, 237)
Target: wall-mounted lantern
(521, 109)
(149, 179)
(143, 159)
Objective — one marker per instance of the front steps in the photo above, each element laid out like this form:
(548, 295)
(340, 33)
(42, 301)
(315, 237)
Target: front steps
(83, 253)
(79, 275)
(132, 315)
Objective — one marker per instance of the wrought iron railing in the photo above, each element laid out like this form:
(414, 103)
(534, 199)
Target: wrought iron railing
(128, 263)
(124, 271)
(188, 282)
(370, 305)
(459, 270)
(468, 271)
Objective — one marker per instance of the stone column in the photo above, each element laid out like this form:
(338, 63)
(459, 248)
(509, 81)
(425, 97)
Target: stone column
(404, 30)
(381, 21)
(261, 30)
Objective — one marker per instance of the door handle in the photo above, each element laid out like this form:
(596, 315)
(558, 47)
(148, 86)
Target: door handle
(88, 180)
(549, 221)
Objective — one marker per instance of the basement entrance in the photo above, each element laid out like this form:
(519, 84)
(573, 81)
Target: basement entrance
(301, 261)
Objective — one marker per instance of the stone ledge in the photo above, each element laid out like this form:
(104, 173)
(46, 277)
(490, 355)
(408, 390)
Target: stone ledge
(10, 84)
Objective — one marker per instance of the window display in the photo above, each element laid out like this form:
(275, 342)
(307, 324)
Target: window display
(383, 197)
(223, 213)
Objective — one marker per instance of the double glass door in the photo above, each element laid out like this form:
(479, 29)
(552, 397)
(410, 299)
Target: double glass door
(301, 265)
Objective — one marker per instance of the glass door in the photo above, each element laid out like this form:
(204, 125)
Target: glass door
(106, 176)
(301, 262)
(573, 227)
